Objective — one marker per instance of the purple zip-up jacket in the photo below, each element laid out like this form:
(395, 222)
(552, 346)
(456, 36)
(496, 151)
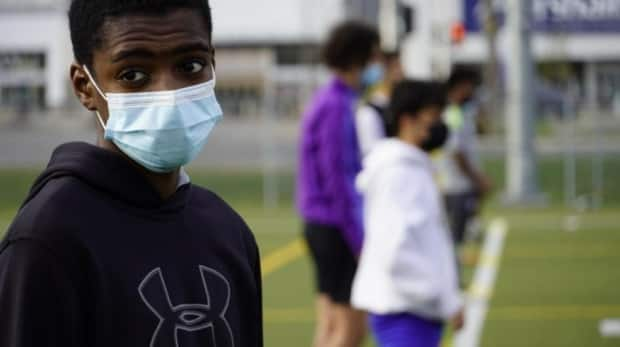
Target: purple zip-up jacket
(329, 161)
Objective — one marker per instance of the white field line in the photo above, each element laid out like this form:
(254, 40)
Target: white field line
(610, 327)
(481, 289)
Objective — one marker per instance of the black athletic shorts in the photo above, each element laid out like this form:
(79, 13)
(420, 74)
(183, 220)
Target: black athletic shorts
(335, 264)
(461, 208)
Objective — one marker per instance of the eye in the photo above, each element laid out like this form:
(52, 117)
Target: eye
(133, 76)
(192, 67)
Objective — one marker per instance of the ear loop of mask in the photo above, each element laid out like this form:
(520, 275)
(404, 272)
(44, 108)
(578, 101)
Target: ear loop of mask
(214, 78)
(92, 80)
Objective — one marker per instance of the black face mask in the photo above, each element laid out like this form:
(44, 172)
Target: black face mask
(438, 134)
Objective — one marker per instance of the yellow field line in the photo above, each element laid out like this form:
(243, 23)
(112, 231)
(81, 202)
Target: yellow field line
(572, 251)
(282, 257)
(509, 313)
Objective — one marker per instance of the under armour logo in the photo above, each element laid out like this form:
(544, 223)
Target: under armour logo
(176, 321)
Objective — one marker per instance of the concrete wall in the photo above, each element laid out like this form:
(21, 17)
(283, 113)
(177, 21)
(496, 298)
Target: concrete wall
(33, 4)
(546, 47)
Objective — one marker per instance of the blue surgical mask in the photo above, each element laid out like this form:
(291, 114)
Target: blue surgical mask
(372, 74)
(161, 131)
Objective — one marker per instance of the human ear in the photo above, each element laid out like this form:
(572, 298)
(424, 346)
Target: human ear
(83, 88)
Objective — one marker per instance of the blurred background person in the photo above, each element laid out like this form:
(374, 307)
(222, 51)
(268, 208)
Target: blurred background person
(326, 196)
(371, 118)
(461, 179)
(407, 278)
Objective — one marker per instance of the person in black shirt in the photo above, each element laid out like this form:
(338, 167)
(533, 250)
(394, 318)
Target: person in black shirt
(113, 245)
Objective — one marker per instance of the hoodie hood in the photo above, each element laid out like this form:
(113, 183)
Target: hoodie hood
(107, 172)
(390, 153)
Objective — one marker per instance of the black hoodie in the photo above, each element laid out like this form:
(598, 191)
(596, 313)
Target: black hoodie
(96, 258)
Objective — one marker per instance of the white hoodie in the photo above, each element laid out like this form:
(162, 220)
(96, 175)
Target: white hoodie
(407, 262)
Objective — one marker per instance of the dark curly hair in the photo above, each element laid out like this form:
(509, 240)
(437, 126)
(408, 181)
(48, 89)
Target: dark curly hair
(350, 44)
(462, 74)
(86, 19)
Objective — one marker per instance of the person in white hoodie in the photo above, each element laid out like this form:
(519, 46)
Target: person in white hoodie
(407, 278)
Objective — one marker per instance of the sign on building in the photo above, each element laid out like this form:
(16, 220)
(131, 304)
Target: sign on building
(571, 16)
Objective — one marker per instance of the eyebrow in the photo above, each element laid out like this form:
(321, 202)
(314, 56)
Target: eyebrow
(132, 53)
(191, 47)
(145, 53)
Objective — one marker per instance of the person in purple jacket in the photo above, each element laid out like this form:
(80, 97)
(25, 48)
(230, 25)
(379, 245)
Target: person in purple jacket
(326, 196)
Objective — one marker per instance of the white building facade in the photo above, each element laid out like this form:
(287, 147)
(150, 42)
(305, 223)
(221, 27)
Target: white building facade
(35, 52)
(255, 39)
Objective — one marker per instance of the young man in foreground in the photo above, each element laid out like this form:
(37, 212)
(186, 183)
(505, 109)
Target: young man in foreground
(407, 278)
(114, 246)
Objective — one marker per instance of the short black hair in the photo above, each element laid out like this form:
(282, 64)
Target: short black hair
(411, 96)
(462, 74)
(390, 56)
(350, 44)
(87, 17)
